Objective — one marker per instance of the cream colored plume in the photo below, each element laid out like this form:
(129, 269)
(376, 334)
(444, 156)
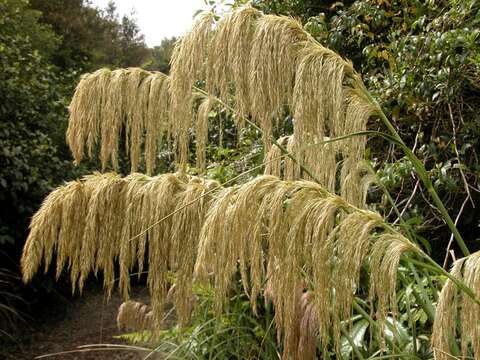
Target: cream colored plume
(289, 234)
(134, 316)
(202, 131)
(295, 240)
(93, 223)
(458, 313)
(307, 327)
(44, 229)
(293, 236)
(187, 66)
(275, 160)
(106, 103)
(266, 65)
(228, 63)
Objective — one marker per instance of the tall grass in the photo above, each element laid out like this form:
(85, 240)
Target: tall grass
(303, 239)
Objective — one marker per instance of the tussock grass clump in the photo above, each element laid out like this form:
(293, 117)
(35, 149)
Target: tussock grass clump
(457, 312)
(106, 103)
(295, 240)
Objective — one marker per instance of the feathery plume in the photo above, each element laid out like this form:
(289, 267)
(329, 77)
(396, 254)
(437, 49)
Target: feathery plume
(353, 241)
(318, 108)
(85, 111)
(292, 169)
(384, 259)
(229, 58)
(289, 234)
(355, 177)
(202, 131)
(215, 248)
(457, 312)
(160, 202)
(104, 218)
(134, 316)
(71, 231)
(103, 232)
(156, 124)
(133, 236)
(112, 122)
(275, 48)
(308, 327)
(187, 222)
(43, 236)
(106, 102)
(187, 64)
(274, 160)
(138, 83)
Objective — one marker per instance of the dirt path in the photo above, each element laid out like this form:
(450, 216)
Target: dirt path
(85, 320)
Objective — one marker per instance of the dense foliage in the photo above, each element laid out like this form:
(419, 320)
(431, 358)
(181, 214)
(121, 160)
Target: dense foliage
(44, 48)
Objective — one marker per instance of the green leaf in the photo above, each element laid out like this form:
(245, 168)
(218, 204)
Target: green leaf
(357, 335)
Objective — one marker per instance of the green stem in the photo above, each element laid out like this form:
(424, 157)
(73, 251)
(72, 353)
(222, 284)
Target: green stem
(459, 283)
(352, 343)
(422, 173)
(372, 322)
(412, 322)
(423, 300)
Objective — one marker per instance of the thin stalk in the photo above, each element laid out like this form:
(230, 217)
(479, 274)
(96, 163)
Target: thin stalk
(431, 264)
(274, 141)
(428, 307)
(433, 287)
(413, 325)
(422, 173)
(352, 343)
(423, 300)
(372, 322)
